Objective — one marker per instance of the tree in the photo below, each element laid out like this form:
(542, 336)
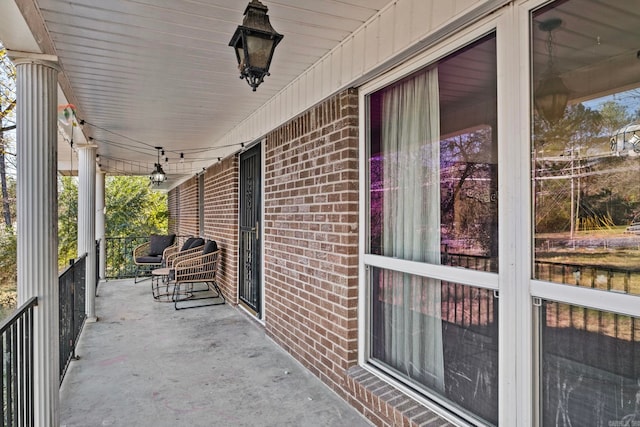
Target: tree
(614, 116)
(67, 220)
(8, 270)
(133, 208)
(7, 126)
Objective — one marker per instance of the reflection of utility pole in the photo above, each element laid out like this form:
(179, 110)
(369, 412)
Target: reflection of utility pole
(575, 208)
(573, 217)
(578, 194)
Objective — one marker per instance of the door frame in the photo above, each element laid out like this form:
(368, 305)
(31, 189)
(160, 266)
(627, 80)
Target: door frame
(260, 261)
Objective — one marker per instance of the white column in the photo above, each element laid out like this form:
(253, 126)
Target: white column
(37, 80)
(100, 225)
(87, 222)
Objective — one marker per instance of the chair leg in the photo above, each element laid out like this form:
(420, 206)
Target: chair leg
(210, 287)
(154, 287)
(137, 275)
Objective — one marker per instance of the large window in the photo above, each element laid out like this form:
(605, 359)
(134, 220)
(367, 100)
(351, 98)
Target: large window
(586, 200)
(586, 144)
(433, 200)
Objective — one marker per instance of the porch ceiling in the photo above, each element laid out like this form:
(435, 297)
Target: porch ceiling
(146, 73)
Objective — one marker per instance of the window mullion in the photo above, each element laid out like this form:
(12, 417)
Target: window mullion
(515, 327)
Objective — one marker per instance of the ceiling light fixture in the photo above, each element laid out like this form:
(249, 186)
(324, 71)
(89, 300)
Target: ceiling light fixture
(158, 176)
(254, 43)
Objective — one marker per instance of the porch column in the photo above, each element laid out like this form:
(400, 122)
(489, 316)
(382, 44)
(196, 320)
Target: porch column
(100, 225)
(87, 222)
(36, 145)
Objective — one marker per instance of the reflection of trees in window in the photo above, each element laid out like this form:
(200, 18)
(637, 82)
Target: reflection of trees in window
(375, 202)
(580, 184)
(469, 193)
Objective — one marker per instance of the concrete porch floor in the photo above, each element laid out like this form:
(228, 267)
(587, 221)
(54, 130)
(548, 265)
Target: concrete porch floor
(145, 364)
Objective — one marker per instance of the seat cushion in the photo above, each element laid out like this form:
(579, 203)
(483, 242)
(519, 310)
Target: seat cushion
(210, 246)
(149, 259)
(158, 243)
(196, 242)
(187, 243)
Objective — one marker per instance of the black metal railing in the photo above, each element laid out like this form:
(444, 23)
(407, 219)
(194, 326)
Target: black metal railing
(98, 243)
(16, 359)
(119, 252)
(72, 310)
(120, 256)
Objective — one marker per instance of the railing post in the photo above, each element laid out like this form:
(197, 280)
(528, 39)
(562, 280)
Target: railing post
(72, 299)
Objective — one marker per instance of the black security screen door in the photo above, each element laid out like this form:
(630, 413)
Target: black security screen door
(250, 203)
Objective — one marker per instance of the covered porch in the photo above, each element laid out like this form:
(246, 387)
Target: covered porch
(145, 363)
(504, 273)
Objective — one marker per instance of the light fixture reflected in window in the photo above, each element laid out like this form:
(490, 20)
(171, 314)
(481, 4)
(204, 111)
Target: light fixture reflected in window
(551, 95)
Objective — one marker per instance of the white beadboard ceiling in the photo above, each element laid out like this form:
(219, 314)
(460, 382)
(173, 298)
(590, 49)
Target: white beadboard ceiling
(148, 73)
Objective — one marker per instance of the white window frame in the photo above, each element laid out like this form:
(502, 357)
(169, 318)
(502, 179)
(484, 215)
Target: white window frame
(509, 230)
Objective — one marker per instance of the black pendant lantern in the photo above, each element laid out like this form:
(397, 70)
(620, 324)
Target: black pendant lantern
(254, 43)
(158, 176)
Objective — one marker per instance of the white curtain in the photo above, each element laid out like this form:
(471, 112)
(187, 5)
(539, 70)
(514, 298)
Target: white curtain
(410, 142)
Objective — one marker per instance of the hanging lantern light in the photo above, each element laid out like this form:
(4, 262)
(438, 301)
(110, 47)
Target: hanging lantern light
(551, 95)
(254, 43)
(158, 176)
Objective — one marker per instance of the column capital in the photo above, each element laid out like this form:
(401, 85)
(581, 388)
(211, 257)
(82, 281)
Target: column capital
(86, 146)
(19, 57)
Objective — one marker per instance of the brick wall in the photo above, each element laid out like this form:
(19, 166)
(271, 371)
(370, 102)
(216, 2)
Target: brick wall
(220, 217)
(311, 237)
(221, 220)
(188, 219)
(173, 201)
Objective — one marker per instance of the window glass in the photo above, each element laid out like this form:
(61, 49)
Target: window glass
(433, 199)
(590, 367)
(433, 163)
(586, 144)
(439, 336)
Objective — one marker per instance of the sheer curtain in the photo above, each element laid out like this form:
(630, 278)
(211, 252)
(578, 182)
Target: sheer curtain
(410, 142)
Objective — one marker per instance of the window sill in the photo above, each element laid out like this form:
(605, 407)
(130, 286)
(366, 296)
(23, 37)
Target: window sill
(384, 402)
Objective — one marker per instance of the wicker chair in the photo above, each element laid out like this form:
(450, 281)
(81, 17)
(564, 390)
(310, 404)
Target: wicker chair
(150, 254)
(193, 278)
(159, 277)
